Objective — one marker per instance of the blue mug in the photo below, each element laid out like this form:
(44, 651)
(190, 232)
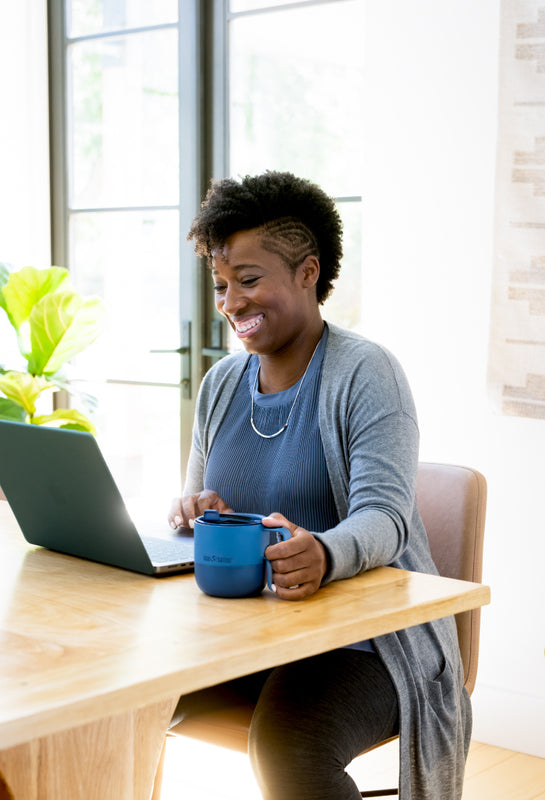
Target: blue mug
(230, 553)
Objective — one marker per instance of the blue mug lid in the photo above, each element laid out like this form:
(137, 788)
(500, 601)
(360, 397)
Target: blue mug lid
(212, 515)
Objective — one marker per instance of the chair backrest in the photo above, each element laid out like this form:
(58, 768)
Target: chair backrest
(452, 503)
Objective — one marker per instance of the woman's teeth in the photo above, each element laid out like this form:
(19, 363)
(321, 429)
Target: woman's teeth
(248, 324)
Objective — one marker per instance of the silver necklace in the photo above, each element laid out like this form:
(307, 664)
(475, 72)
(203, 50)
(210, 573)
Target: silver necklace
(285, 425)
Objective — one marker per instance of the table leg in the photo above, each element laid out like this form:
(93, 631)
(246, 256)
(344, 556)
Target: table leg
(114, 758)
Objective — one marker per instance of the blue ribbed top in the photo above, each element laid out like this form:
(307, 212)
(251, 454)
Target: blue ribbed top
(286, 474)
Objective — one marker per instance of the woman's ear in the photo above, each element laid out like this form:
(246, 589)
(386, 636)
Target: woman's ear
(310, 271)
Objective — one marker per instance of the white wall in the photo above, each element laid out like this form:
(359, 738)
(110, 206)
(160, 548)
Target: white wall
(428, 241)
(428, 224)
(24, 142)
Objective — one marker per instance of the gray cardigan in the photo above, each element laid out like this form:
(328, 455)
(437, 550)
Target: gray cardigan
(370, 437)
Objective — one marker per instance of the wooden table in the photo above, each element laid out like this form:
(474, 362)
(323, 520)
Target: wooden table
(93, 658)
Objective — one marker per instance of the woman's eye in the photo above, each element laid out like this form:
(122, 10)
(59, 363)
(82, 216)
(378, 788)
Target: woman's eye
(245, 282)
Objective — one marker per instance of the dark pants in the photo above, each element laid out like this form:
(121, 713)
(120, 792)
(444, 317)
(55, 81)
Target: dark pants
(312, 718)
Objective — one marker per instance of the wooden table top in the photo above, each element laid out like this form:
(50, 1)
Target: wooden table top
(80, 640)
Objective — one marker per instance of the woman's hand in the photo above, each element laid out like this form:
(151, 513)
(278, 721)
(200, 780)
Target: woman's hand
(184, 509)
(298, 564)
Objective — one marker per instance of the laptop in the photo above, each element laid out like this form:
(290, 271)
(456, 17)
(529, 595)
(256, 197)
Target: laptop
(64, 498)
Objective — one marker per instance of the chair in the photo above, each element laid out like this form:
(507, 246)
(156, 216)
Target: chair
(452, 502)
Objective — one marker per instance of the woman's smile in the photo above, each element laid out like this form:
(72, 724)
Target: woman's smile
(246, 326)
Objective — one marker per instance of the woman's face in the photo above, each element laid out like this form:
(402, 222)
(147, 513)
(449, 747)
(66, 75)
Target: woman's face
(267, 305)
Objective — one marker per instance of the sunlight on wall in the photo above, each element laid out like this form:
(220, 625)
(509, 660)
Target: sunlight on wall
(428, 243)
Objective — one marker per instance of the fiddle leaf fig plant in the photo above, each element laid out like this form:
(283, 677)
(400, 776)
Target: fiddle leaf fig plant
(52, 324)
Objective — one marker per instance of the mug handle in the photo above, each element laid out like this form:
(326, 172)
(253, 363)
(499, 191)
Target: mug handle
(277, 535)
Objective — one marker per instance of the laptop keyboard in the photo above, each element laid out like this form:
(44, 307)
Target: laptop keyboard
(168, 551)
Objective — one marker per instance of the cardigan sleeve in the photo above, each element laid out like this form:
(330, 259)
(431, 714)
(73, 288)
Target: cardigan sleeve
(377, 528)
(370, 436)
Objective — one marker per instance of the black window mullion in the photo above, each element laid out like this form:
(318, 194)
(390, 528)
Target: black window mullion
(58, 132)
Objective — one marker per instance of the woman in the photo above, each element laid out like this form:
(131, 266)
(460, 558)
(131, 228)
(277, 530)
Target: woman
(315, 428)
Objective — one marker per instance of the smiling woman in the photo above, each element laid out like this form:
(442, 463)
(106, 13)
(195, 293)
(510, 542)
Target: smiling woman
(314, 428)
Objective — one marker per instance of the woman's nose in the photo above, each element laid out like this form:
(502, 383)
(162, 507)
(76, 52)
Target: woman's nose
(231, 301)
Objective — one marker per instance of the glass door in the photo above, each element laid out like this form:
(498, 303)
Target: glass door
(127, 184)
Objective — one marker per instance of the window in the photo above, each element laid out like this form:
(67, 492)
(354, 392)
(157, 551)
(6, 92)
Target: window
(150, 100)
(126, 184)
(295, 88)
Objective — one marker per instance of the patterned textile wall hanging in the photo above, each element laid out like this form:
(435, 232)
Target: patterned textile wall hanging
(517, 336)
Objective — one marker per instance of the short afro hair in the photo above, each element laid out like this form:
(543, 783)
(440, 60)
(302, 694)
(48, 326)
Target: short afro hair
(304, 221)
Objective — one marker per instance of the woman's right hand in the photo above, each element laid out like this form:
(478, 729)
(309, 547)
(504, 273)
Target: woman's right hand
(184, 509)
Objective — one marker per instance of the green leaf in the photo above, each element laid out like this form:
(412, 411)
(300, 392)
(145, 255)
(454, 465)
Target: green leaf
(26, 287)
(62, 324)
(12, 411)
(23, 389)
(66, 418)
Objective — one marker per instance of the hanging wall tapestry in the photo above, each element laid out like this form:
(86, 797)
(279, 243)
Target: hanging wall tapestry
(517, 340)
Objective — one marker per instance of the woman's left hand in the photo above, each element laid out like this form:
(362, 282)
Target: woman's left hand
(298, 563)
